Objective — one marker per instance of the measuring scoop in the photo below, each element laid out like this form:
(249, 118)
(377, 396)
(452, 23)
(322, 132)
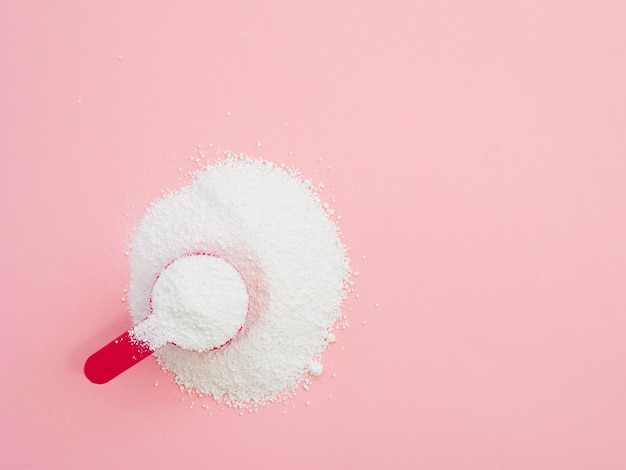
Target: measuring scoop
(198, 302)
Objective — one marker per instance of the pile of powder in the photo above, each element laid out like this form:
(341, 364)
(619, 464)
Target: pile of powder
(271, 226)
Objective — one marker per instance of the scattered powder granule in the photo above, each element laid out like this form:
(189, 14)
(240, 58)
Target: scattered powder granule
(315, 368)
(271, 227)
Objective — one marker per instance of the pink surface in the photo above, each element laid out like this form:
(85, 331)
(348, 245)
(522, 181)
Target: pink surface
(478, 160)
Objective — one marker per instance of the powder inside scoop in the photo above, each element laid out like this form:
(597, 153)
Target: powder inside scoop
(199, 302)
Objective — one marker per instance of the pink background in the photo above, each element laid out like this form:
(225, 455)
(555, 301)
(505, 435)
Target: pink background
(478, 154)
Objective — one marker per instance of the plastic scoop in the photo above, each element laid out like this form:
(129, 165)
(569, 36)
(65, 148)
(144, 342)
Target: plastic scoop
(198, 302)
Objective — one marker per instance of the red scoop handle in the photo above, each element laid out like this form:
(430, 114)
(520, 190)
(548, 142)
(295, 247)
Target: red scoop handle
(119, 355)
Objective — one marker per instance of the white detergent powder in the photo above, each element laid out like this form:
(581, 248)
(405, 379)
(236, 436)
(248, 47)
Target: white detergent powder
(282, 257)
(198, 302)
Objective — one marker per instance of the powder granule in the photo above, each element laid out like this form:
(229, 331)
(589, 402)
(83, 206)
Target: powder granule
(272, 227)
